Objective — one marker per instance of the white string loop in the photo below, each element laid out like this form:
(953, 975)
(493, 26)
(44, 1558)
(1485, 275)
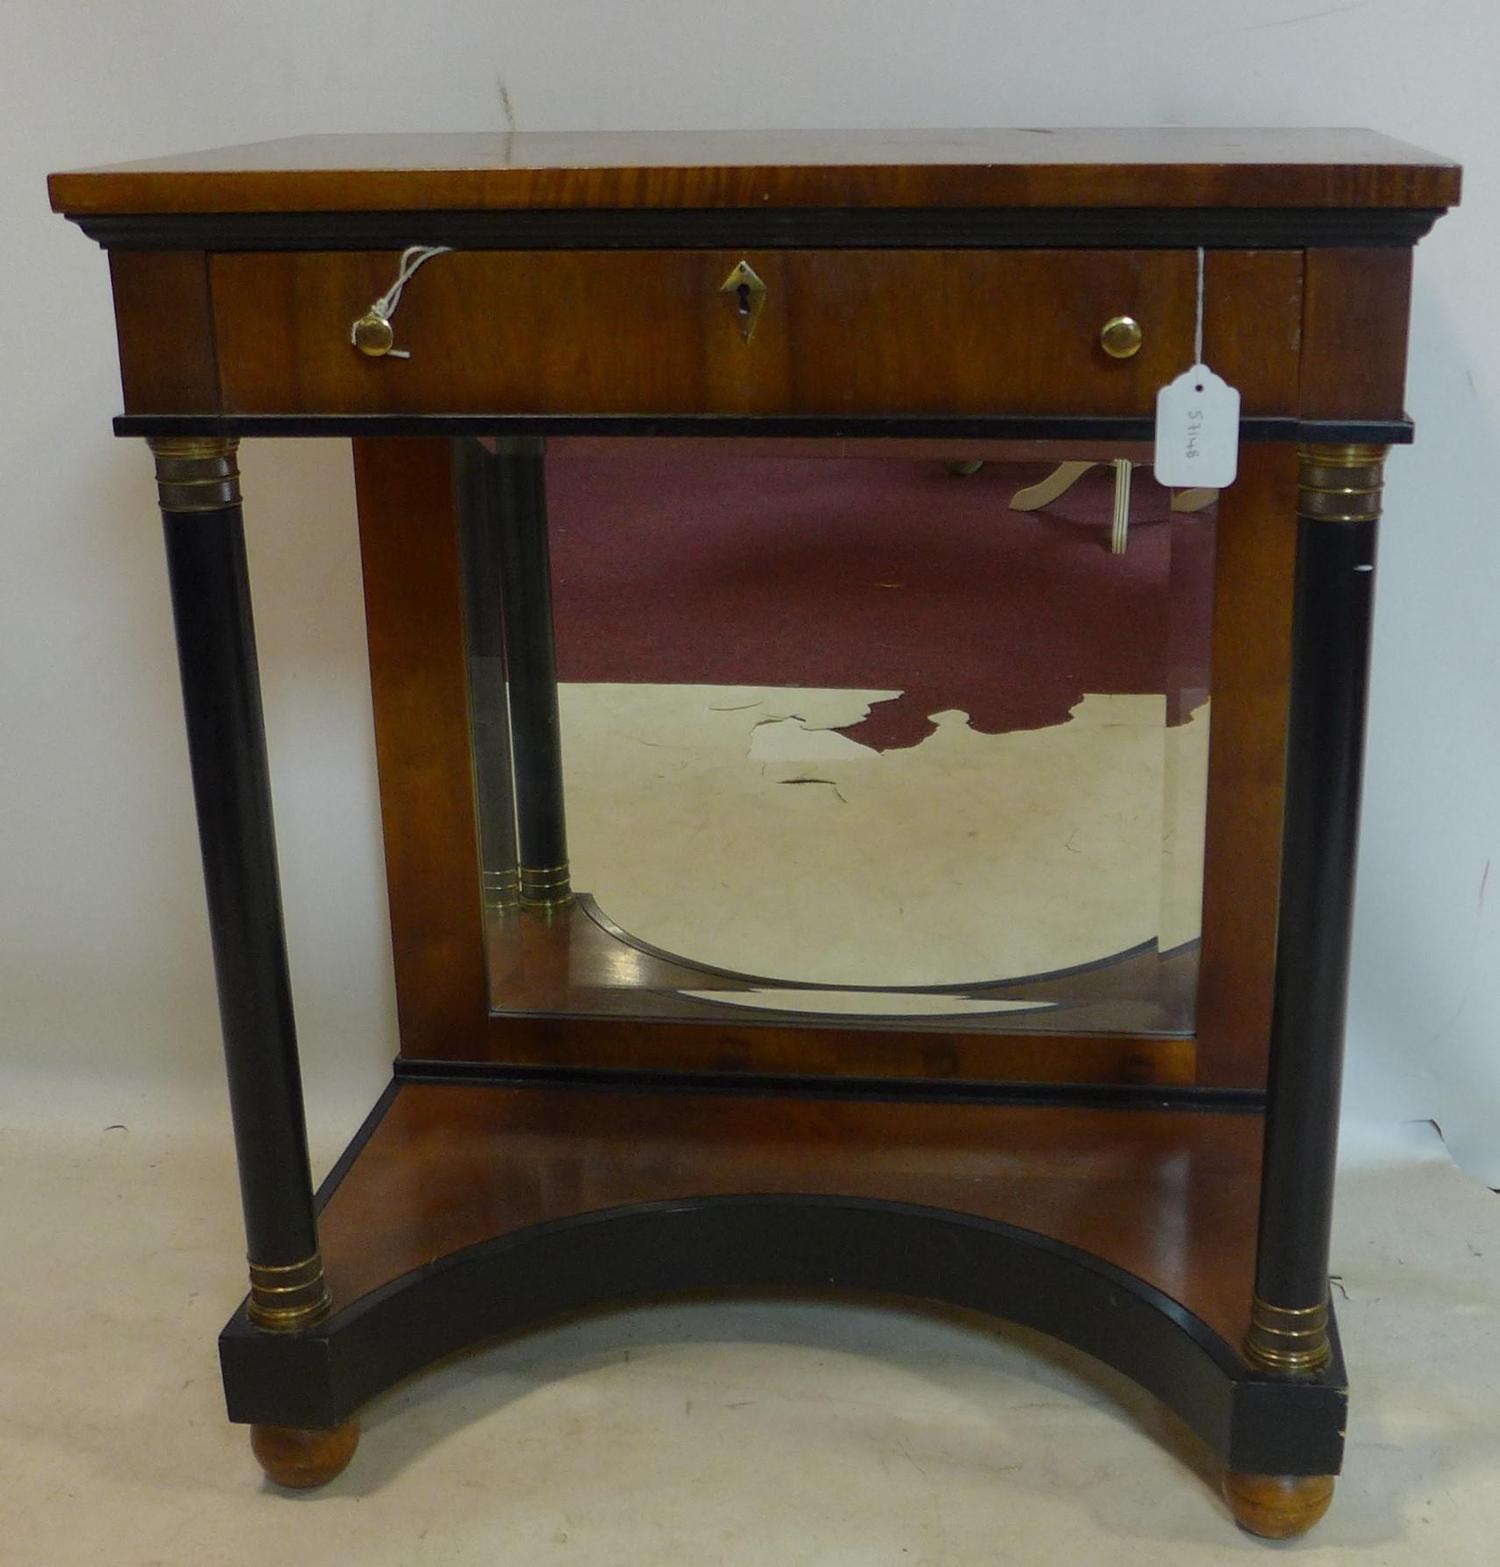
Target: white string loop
(412, 259)
(1198, 323)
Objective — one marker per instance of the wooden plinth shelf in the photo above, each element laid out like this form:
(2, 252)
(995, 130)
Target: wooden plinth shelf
(1168, 1196)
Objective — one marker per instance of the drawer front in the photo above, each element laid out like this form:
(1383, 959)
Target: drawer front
(837, 332)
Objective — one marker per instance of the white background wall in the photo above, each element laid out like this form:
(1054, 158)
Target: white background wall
(104, 962)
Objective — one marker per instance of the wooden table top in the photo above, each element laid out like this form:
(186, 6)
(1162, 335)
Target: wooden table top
(1088, 168)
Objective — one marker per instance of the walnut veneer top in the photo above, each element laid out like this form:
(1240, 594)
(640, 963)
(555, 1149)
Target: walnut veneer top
(1136, 167)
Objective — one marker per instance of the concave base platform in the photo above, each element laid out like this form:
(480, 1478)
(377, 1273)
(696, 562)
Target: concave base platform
(468, 1209)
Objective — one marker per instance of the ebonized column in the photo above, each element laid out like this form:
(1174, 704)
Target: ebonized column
(198, 481)
(1338, 506)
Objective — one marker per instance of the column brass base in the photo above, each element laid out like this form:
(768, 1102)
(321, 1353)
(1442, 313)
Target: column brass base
(1286, 1339)
(288, 1297)
(300, 1459)
(502, 891)
(1277, 1507)
(546, 886)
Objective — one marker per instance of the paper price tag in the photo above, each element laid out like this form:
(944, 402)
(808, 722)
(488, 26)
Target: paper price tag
(1197, 431)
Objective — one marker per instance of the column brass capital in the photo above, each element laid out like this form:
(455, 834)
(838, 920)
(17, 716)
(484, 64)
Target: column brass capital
(1340, 483)
(290, 1295)
(1288, 1339)
(196, 472)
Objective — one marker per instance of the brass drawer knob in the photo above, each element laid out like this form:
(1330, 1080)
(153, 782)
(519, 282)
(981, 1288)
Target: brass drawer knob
(1120, 337)
(372, 334)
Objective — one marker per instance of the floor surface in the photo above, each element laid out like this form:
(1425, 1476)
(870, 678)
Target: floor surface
(737, 1432)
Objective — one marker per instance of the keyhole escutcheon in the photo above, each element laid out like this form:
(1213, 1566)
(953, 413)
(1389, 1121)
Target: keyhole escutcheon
(747, 292)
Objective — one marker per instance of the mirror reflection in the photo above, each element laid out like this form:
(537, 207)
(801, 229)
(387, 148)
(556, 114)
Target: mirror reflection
(910, 731)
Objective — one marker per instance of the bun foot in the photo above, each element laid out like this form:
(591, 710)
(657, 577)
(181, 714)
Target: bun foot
(301, 1459)
(1278, 1507)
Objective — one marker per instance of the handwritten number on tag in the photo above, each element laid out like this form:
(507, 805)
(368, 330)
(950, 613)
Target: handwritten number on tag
(1197, 431)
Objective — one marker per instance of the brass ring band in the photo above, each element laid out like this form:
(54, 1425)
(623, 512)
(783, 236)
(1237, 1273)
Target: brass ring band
(196, 472)
(546, 886)
(1348, 454)
(1288, 1338)
(288, 1295)
(189, 447)
(1293, 1313)
(501, 889)
(1340, 483)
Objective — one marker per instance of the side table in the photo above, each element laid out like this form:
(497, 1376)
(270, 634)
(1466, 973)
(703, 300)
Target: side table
(1129, 1147)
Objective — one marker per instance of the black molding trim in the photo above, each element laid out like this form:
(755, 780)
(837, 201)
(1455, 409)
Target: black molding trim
(345, 1161)
(876, 228)
(1116, 1096)
(958, 427)
(320, 1377)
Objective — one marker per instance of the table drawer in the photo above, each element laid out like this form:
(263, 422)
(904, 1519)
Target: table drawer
(642, 332)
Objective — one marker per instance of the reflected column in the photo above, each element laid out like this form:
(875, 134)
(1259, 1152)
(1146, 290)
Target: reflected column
(484, 665)
(503, 504)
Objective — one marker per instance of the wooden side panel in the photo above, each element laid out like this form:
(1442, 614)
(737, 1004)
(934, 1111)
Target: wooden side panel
(1356, 313)
(164, 322)
(1254, 574)
(413, 612)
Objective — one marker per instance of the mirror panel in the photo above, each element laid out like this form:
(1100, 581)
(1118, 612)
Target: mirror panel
(913, 732)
